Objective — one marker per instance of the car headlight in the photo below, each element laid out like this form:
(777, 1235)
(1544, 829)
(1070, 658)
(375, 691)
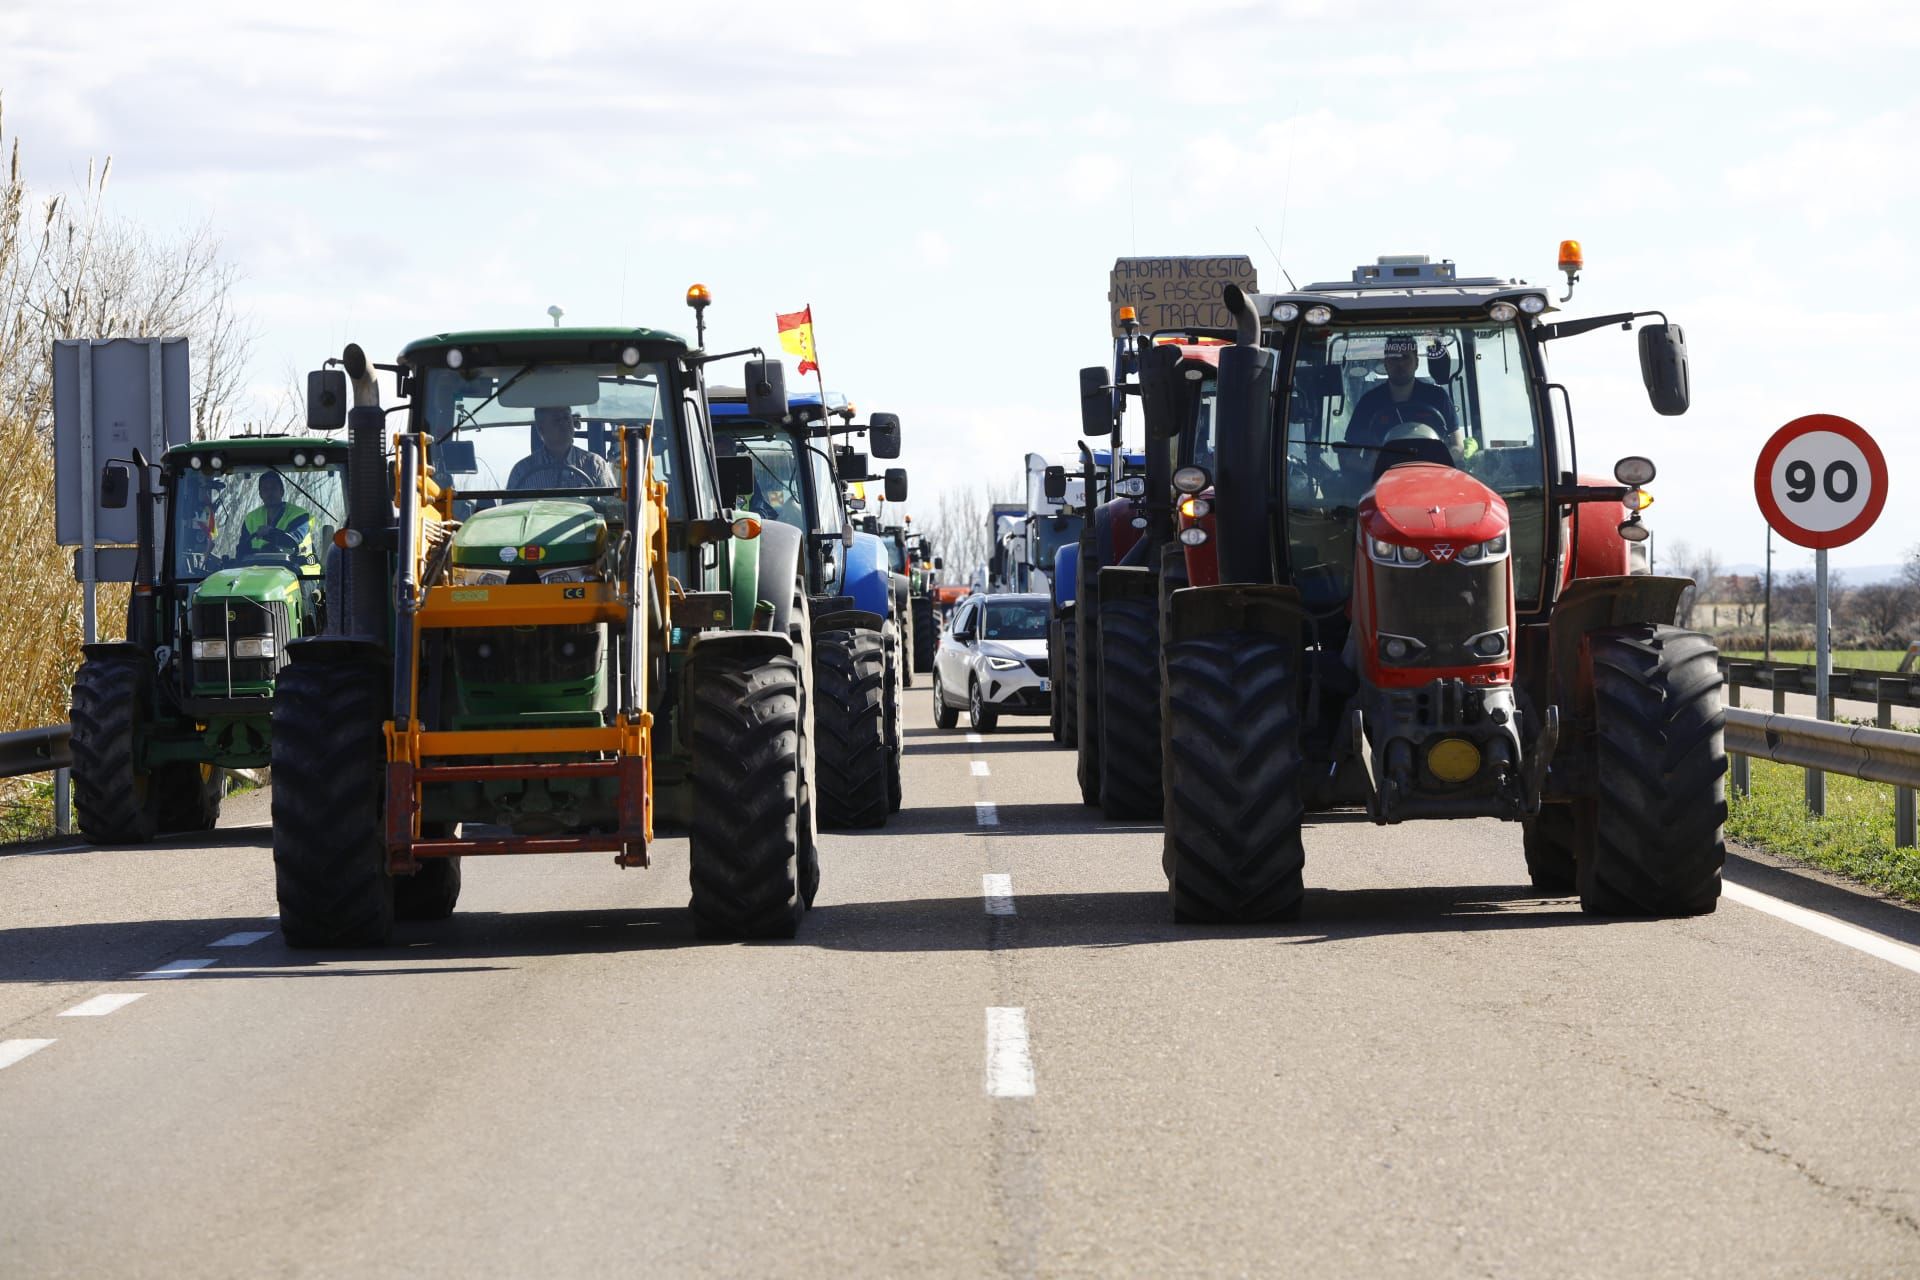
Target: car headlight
(254, 647)
(1003, 664)
(209, 650)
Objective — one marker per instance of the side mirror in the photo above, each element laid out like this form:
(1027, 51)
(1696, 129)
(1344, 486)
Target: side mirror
(736, 477)
(883, 435)
(115, 481)
(455, 458)
(766, 390)
(1161, 398)
(1663, 367)
(939, 563)
(896, 484)
(1096, 402)
(1055, 483)
(326, 399)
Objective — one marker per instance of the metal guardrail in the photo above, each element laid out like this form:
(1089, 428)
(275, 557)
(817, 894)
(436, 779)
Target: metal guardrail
(1852, 684)
(1855, 751)
(36, 750)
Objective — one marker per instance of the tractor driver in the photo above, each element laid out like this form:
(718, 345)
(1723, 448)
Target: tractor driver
(276, 524)
(1403, 399)
(555, 463)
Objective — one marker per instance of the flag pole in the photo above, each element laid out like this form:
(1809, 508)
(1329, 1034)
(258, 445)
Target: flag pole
(820, 379)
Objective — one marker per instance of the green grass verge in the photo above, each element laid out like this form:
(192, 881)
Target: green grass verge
(1859, 659)
(1854, 839)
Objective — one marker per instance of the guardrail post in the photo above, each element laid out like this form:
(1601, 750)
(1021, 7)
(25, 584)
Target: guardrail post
(1740, 766)
(62, 807)
(1903, 797)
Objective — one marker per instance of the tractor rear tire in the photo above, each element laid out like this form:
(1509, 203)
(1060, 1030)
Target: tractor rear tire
(1550, 843)
(896, 676)
(1086, 701)
(1129, 709)
(1053, 667)
(115, 803)
(431, 893)
(1066, 683)
(1654, 844)
(329, 805)
(1233, 773)
(748, 843)
(926, 633)
(190, 795)
(849, 688)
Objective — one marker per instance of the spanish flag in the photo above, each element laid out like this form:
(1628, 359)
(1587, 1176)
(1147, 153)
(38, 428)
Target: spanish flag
(796, 336)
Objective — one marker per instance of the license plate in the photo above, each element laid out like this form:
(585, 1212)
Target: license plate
(1046, 686)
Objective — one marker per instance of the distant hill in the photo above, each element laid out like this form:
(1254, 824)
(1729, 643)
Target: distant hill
(1855, 575)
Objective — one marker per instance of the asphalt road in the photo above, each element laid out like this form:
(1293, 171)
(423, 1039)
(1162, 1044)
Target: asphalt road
(990, 1053)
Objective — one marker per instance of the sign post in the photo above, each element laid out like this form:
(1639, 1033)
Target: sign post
(1821, 481)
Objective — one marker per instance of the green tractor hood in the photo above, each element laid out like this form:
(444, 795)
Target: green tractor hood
(545, 533)
(257, 582)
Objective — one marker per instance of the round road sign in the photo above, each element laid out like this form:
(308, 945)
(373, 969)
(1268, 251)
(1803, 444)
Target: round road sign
(1821, 481)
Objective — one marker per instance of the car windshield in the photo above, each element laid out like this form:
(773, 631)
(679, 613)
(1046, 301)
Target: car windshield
(1015, 620)
(778, 491)
(1364, 398)
(551, 426)
(255, 513)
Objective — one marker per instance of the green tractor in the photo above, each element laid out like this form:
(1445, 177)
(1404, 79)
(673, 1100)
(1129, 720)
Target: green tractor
(554, 627)
(236, 578)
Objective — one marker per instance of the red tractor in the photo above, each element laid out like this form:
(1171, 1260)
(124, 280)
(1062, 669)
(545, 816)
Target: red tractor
(1406, 597)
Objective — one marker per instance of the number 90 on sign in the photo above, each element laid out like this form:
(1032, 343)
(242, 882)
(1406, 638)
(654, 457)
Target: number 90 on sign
(1821, 481)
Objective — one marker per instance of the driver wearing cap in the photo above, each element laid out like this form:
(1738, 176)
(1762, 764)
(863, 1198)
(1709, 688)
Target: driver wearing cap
(555, 463)
(1404, 399)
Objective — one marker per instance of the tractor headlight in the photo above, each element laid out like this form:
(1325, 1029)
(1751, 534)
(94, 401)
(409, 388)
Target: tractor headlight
(1400, 650)
(1194, 536)
(1384, 552)
(1003, 664)
(1286, 312)
(1501, 312)
(254, 647)
(1319, 315)
(1491, 645)
(480, 577)
(1483, 552)
(209, 650)
(1533, 304)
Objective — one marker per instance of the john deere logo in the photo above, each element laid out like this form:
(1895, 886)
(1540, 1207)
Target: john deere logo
(232, 616)
(1442, 551)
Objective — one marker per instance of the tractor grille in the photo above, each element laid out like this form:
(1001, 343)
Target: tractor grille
(1038, 666)
(235, 620)
(528, 655)
(1443, 606)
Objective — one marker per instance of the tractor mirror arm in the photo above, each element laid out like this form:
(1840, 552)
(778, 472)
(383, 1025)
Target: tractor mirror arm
(1567, 495)
(1587, 324)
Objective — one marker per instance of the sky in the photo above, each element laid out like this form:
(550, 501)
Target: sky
(948, 187)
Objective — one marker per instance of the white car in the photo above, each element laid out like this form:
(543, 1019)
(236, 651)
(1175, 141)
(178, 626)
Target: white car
(992, 660)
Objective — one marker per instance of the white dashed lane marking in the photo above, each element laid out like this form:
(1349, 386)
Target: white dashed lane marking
(101, 1006)
(1009, 1065)
(12, 1051)
(980, 769)
(986, 813)
(1826, 926)
(174, 968)
(973, 737)
(997, 890)
(240, 939)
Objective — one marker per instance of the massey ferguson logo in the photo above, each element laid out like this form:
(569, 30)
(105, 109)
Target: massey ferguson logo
(1441, 551)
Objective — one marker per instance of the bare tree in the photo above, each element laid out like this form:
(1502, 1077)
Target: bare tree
(1882, 610)
(958, 527)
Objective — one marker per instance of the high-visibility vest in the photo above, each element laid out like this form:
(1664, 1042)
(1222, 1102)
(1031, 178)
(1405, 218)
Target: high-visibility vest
(292, 520)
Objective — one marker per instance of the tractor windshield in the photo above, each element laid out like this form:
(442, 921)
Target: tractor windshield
(1365, 397)
(551, 426)
(779, 491)
(242, 513)
(1050, 533)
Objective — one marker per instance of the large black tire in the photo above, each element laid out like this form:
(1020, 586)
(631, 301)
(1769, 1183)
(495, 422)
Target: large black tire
(190, 795)
(800, 631)
(1549, 841)
(747, 844)
(431, 893)
(1066, 682)
(114, 801)
(329, 804)
(1086, 701)
(926, 633)
(850, 746)
(890, 719)
(1654, 843)
(1233, 775)
(1053, 666)
(1129, 724)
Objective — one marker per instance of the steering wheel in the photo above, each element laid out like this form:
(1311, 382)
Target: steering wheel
(1431, 415)
(586, 481)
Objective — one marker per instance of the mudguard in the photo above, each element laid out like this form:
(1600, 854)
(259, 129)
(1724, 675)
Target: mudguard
(1588, 605)
(1066, 575)
(1265, 609)
(337, 649)
(759, 644)
(777, 562)
(1128, 582)
(868, 577)
(848, 620)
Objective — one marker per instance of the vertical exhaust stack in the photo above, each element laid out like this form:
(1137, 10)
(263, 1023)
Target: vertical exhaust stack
(369, 509)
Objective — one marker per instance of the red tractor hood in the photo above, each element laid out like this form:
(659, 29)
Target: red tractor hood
(1438, 509)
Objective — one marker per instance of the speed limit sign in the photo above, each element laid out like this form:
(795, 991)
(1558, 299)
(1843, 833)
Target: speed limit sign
(1821, 481)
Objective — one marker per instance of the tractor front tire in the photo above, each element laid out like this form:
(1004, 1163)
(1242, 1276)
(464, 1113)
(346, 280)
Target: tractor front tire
(115, 803)
(896, 746)
(1233, 772)
(1086, 701)
(1129, 721)
(1066, 683)
(1550, 843)
(850, 744)
(329, 805)
(1654, 844)
(190, 795)
(926, 633)
(747, 846)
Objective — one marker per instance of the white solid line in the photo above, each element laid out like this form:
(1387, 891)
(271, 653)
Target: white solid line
(11, 1051)
(174, 968)
(1009, 1064)
(980, 769)
(240, 939)
(973, 737)
(1826, 926)
(998, 890)
(986, 813)
(101, 1006)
